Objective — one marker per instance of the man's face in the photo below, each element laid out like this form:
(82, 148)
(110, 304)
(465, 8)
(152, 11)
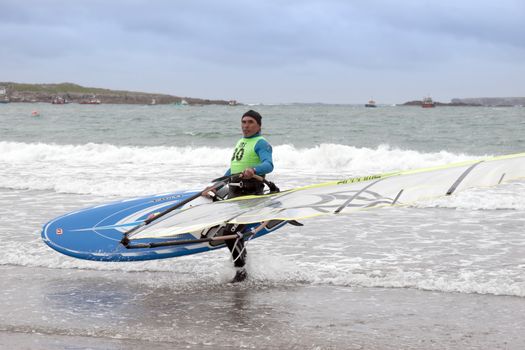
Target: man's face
(249, 126)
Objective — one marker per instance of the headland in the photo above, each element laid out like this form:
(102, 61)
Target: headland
(73, 93)
(476, 102)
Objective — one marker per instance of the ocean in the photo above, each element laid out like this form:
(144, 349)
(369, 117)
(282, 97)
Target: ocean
(447, 273)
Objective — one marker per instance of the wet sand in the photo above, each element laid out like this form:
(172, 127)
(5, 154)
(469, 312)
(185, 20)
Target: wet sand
(84, 309)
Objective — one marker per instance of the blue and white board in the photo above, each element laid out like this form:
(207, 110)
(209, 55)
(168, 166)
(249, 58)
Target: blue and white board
(95, 233)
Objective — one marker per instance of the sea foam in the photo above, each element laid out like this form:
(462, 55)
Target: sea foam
(105, 169)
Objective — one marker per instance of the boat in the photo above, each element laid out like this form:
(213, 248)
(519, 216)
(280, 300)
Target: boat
(3, 95)
(59, 100)
(427, 102)
(92, 101)
(371, 103)
(181, 103)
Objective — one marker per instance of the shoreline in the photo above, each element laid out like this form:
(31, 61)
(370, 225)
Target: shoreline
(90, 309)
(353, 105)
(65, 93)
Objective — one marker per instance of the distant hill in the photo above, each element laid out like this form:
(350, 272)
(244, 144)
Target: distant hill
(477, 101)
(17, 92)
(437, 103)
(492, 101)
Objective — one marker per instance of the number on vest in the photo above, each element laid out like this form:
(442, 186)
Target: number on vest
(238, 153)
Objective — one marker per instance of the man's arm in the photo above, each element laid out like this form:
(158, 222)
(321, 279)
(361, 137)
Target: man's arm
(264, 151)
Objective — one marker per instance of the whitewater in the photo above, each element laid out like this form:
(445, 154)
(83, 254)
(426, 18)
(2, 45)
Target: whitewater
(442, 273)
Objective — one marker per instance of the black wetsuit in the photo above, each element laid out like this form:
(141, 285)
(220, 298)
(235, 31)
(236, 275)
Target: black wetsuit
(236, 246)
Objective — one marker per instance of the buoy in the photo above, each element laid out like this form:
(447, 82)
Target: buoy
(35, 114)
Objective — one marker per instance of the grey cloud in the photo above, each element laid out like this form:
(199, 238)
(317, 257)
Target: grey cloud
(275, 32)
(264, 38)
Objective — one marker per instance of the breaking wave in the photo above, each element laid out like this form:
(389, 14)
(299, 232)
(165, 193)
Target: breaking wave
(105, 169)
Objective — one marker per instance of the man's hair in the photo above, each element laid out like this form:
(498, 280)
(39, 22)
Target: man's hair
(254, 115)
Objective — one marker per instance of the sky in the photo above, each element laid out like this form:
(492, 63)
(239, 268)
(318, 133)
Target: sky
(270, 51)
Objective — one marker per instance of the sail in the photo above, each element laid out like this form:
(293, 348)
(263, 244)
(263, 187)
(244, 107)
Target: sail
(341, 197)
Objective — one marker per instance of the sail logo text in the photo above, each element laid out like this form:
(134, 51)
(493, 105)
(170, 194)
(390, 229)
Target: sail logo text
(359, 179)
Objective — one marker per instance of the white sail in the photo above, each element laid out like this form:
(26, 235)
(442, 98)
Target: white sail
(341, 197)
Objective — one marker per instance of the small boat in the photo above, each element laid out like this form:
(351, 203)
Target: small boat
(3, 95)
(371, 103)
(59, 101)
(181, 103)
(428, 103)
(91, 101)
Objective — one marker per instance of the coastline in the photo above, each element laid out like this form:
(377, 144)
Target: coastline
(73, 93)
(63, 93)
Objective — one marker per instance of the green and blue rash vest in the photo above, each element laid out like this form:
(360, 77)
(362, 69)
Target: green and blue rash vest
(252, 152)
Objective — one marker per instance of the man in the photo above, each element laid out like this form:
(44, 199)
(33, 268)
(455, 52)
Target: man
(252, 156)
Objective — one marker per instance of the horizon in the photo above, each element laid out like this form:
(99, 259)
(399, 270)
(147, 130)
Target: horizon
(329, 52)
(270, 103)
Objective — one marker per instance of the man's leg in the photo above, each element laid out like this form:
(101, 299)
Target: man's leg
(236, 246)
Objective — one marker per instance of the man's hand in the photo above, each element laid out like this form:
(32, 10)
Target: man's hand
(248, 173)
(209, 192)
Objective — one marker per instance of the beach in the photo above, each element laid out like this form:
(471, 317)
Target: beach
(82, 310)
(444, 273)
